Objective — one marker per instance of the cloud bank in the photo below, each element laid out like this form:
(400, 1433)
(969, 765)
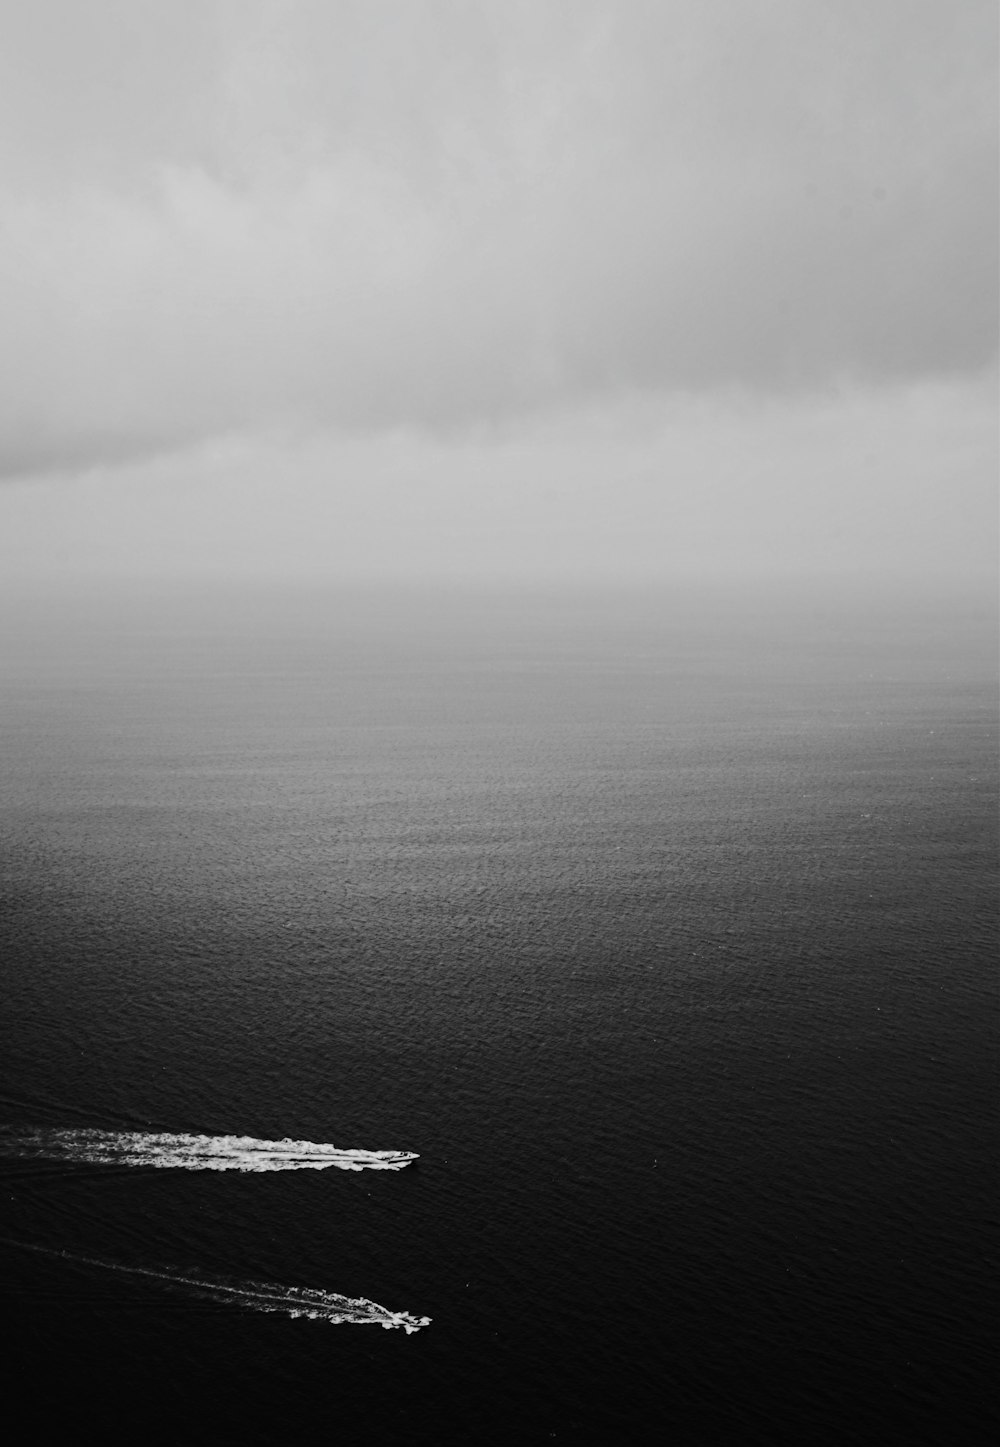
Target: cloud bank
(359, 214)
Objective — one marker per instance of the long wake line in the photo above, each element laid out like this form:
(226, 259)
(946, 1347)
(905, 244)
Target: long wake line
(259, 1295)
(192, 1152)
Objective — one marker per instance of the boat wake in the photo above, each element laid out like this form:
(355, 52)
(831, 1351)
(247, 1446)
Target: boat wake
(192, 1152)
(260, 1295)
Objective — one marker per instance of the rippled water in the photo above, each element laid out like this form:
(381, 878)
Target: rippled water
(662, 931)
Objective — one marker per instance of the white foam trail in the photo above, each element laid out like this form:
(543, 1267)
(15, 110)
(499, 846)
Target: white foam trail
(261, 1295)
(194, 1152)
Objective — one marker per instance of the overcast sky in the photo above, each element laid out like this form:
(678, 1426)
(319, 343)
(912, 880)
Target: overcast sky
(498, 288)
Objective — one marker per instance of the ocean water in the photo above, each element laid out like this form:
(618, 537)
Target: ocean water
(661, 929)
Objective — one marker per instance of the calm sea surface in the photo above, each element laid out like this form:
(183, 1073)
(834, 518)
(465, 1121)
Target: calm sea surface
(663, 928)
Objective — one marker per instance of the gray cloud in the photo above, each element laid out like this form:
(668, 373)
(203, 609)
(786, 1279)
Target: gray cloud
(218, 215)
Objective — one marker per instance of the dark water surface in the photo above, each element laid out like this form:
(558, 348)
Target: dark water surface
(663, 928)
